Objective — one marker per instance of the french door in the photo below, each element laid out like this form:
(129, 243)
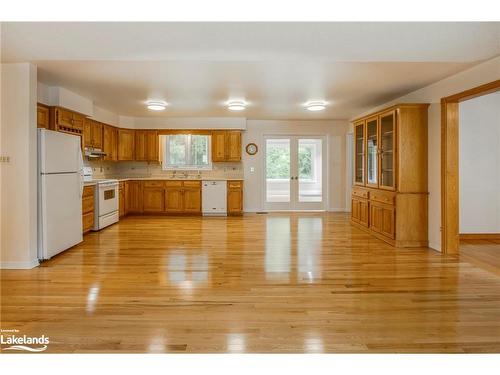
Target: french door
(294, 173)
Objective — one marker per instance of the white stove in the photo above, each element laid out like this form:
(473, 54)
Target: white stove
(105, 200)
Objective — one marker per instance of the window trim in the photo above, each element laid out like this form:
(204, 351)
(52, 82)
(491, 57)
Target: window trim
(187, 167)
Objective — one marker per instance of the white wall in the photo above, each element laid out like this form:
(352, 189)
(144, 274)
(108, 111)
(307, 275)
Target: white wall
(478, 75)
(19, 177)
(190, 122)
(480, 164)
(336, 142)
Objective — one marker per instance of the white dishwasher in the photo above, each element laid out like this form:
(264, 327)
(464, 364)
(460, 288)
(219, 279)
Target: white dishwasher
(214, 198)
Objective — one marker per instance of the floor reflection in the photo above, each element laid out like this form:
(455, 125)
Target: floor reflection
(278, 248)
(236, 343)
(187, 270)
(309, 239)
(92, 296)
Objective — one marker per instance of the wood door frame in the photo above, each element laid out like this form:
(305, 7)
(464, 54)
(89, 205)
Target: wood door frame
(449, 163)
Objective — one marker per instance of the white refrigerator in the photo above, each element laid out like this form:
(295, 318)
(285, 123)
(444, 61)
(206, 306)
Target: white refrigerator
(60, 188)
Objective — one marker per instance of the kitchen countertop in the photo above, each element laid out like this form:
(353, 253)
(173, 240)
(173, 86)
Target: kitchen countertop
(175, 179)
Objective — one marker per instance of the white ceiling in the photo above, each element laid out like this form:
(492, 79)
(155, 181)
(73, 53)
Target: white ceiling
(276, 67)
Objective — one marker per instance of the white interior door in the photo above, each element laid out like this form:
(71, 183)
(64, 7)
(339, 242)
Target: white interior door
(295, 173)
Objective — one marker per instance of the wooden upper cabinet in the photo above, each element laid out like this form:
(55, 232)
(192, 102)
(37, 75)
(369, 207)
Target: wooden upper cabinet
(372, 151)
(66, 121)
(226, 145)
(42, 116)
(146, 145)
(110, 142)
(64, 117)
(218, 146)
(126, 144)
(387, 150)
(233, 146)
(359, 153)
(92, 134)
(97, 134)
(152, 145)
(87, 133)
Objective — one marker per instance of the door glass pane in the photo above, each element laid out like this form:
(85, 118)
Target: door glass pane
(387, 150)
(360, 150)
(278, 170)
(310, 170)
(371, 135)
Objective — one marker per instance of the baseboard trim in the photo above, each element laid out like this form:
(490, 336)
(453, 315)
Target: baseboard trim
(19, 265)
(479, 236)
(435, 246)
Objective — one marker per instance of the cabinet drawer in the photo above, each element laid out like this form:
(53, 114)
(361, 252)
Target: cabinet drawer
(234, 184)
(360, 193)
(382, 197)
(88, 204)
(87, 221)
(155, 184)
(195, 184)
(88, 191)
(173, 183)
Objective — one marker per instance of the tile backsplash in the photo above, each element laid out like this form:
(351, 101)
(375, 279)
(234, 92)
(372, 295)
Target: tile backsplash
(104, 169)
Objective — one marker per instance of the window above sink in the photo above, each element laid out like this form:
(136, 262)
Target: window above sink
(186, 152)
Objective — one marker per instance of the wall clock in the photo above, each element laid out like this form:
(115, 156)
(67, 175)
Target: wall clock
(251, 149)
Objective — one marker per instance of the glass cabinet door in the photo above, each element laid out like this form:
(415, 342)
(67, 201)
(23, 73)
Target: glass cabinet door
(359, 153)
(387, 157)
(372, 151)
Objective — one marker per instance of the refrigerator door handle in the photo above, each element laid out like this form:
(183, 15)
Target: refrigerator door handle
(80, 170)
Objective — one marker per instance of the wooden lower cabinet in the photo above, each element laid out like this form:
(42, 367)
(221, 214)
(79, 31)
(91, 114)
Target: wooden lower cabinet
(183, 197)
(133, 197)
(121, 199)
(153, 199)
(87, 208)
(173, 197)
(397, 218)
(234, 198)
(360, 211)
(382, 219)
(192, 199)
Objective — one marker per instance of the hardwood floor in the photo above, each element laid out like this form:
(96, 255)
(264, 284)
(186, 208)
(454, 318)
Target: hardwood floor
(482, 253)
(259, 283)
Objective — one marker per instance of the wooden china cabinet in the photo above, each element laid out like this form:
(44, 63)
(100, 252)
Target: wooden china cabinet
(389, 197)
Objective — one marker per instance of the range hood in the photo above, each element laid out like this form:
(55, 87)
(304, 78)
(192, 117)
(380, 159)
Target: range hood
(94, 152)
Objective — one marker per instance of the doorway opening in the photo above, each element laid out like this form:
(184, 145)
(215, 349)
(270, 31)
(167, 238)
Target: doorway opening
(450, 168)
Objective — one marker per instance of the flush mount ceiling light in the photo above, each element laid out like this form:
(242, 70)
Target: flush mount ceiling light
(156, 105)
(236, 105)
(315, 106)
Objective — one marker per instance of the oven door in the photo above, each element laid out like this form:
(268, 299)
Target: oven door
(108, 198)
